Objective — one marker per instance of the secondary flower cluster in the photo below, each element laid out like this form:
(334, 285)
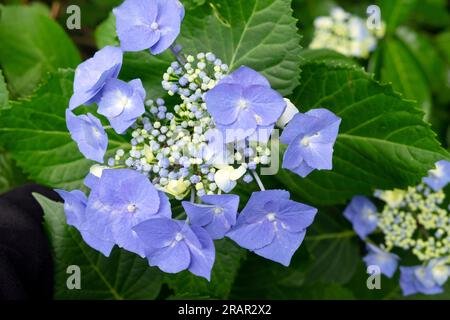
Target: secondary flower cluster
(346, 34)
(415, 220)
(199, 147)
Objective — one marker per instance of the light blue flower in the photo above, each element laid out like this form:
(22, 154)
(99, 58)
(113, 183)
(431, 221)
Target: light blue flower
(120, 200)
(439, 177)
(310, 138)
(216, 216)
(87, 131)
(272, 226)
(75, 209)
(174, 246)
(122, 103)
(362, 213)
(148, 24)
(418, 279)
(243, 103)
(91, 76)
(387, 262)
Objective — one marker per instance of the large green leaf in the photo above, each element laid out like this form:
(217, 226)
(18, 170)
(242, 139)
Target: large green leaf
(34, 132)
(258, 33)
(383, 142)
(10, 175)
(228, 260)
(4, 95)
(401, 69)
(123, 275)
(395, 12)
(31, 45)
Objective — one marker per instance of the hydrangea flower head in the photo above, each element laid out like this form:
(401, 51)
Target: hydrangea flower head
(174, 246)
(418, 279)
(216, 216)
(242, 103)
(92, 74)
(148, 24)
(75, 209)
(272, 226)
(87, 131)
(387, 262)
(122, 199)
(438, 177)
(310, 138)
(122, 103)
(362, 213)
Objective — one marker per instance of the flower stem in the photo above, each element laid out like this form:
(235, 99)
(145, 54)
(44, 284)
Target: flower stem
(258, 180)
(193, 195)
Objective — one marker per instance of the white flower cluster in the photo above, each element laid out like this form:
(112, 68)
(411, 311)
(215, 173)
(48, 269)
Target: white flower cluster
(172, 147)
(414, 219)
(345, 33)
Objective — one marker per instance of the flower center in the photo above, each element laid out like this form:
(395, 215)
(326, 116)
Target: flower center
(154, 26)
(305, 141)
(271, 216)
(243, 104)
(179, 237)
(131, 208)
(217, 210)
(258, 119)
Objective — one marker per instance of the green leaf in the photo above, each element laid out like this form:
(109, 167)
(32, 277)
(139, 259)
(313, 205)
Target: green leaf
(401, 69)
(394, 13)
(10, 175)
(4, 95)
(258, 33)
(105, 34)
(123, 275)
(34, 132)
(432, 13)
(383, 142)
(425, 55)
(228, 259)
(32, 45)
(325, 55)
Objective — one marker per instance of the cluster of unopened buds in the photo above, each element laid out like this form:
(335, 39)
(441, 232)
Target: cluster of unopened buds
(346, 33)
(415, 221)
(217, 135)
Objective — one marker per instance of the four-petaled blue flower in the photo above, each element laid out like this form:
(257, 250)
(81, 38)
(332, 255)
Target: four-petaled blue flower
(438, 177)
(424, 279)
(148, 24)
(92, 74)
(87, 131)
(310, 138)
(120, 200)
(217, 216)
(122, 103)
(75, 209)
(173, 246)
(272, 226)
(362, 213)
(387, 262)
(243, 103)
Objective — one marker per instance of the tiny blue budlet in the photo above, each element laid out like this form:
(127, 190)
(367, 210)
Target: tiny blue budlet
(362, 213)
(438, 177)
(216, 216)
(92, 75)
(75, 209)
(174, 246)
(272, 226)
(122, 103)
(148, 24)
(310, 138)
(243, 103)
(120, 200)
(387, 262)
(87, 131)
(424, 279)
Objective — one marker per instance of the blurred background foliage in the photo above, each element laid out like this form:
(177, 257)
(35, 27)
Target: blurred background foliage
(414, 57)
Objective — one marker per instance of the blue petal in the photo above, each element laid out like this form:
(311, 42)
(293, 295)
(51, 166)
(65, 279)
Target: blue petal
(246, 76)
(202, 257)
